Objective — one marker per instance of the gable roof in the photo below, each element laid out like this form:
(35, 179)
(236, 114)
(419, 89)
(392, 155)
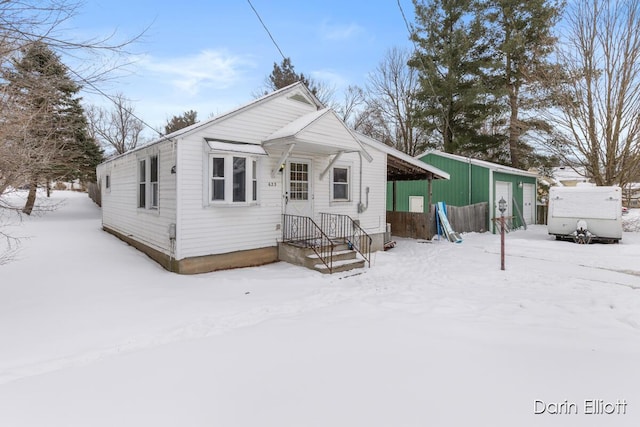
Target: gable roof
(294, 88)
(482, 163)
(401, 166)
(301, 132)
(298, 91)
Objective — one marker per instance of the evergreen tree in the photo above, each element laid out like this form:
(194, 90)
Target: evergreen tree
(452, 59)
(55, 128)
(521, 34)
(284, 74)
(188, 118)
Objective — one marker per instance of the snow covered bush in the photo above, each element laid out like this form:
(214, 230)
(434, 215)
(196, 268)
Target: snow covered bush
(631, 223)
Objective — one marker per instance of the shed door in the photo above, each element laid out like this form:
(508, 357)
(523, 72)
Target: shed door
(528, 203)
(299, 195)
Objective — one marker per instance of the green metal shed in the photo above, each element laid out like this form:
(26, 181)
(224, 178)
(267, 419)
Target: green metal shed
(471, 181)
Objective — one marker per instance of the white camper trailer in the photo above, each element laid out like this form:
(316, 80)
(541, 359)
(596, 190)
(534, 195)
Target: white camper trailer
(585, 213)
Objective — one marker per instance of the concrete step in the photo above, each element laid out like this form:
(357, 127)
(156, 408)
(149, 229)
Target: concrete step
(344, 259)
(341, 265)
(342, 255)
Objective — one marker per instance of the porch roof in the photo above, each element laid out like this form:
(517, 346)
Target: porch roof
(320, 132)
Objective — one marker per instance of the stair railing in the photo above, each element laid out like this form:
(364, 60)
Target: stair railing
(303, 231)
(338, 226)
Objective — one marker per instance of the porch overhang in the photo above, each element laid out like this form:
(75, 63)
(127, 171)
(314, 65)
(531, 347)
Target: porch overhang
(308, 147)
(317, 133)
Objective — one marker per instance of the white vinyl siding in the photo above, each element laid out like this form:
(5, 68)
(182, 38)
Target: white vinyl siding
(373, 218)
(218, 227)
(120, 210)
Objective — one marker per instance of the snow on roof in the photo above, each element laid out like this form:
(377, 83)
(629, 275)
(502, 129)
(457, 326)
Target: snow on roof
(402, 156)
(193, 127)
(477, 162)
(297, 125)
(569, 173)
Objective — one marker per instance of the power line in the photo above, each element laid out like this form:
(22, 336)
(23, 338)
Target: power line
(266, 29)
(113, 101)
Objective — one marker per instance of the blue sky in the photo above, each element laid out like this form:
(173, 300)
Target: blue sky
(212, 56)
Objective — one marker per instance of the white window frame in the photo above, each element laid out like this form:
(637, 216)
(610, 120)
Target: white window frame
(348, 183)
(251, 179)
(299, 181)
(142, 183)
(148, 191)
(217, 178)
(154, 186)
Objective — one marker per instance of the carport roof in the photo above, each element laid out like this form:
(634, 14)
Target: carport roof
(403, 167)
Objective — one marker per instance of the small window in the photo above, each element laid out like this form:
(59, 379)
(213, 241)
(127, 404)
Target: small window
(239, 179)
(148, 183)
(217, 179)
(340, 183)
(154, 181)
(107, 182)
(142, 183)
(254, 180)
(299, 181)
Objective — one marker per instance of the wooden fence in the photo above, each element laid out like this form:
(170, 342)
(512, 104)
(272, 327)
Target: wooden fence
(463, 219)
(94, 192)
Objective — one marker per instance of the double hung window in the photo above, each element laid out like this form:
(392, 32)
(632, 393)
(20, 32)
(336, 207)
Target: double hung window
(148, 184)
(340, 184)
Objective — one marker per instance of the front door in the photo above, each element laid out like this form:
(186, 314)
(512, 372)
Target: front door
(298, 188)
(528, 203)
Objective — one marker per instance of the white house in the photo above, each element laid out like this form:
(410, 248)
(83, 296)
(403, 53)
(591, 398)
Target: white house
(233, 190)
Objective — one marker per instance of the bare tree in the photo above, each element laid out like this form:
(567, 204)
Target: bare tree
(353, 101)
(392, 105)
(22, 24)
(599, 124)
(117, 129)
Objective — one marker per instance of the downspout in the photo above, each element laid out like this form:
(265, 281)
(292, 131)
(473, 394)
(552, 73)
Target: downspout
(361, 206)
(176, 243)
(491, 202)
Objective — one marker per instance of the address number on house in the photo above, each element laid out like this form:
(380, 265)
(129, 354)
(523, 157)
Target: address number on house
(273, 184)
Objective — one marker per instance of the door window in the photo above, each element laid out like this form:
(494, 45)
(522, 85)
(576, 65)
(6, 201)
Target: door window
(299, 181)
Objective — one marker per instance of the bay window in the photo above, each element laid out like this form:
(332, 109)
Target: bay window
(233, 179)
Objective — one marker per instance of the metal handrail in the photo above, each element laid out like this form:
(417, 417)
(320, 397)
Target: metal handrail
(339, 226)
(303, 231)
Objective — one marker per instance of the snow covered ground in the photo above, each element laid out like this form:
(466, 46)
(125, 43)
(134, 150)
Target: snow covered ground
(93, 333)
